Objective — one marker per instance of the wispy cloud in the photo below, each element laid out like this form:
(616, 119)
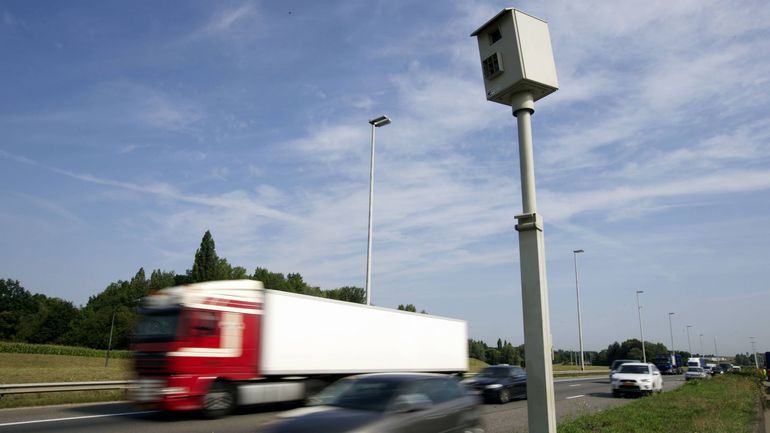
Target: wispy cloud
(235, 200)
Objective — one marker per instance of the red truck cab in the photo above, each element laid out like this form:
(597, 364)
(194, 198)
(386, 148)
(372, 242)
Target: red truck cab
(192, 343)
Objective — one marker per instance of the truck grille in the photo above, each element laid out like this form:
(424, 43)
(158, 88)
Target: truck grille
(148, 363)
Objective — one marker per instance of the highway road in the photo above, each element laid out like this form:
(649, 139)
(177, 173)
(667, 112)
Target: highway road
(573, 397)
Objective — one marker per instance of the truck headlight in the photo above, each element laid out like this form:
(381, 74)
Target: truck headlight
(173, 390)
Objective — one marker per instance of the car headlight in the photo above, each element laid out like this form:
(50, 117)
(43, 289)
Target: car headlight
(645, 380)
(494, 386)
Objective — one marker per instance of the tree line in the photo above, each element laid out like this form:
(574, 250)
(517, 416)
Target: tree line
(40, 319)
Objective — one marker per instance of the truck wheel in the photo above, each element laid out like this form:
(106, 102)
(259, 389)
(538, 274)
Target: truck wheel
(219, 401)
(615, 394)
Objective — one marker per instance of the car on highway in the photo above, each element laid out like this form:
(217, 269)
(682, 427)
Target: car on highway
(716, 370)
(636, 378)
(386, 402)
(695, 373)
(499, 383)
(617, 363)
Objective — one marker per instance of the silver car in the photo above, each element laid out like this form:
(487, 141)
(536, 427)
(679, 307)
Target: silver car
(386, 402)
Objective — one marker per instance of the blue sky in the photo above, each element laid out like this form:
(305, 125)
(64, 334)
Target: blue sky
(130, 128)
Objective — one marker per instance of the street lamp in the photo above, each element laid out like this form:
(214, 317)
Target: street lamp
(689, 346)
(641, 332)
(701, 345)
(580, 324)
(376, 123)
(671, 330)
(754, 353)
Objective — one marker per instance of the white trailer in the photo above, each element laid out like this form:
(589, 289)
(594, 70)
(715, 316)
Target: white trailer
(304, 335)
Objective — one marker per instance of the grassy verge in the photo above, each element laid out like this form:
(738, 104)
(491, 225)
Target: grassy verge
(37, 368)
(474, 365)
(724, 404)
(594, 368)
(51, 398)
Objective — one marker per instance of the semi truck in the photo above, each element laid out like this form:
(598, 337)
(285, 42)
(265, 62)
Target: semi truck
(214, 345)
(669, 364)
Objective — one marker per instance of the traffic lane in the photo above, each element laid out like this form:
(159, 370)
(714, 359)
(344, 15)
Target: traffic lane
(126, 418)
(572, 398)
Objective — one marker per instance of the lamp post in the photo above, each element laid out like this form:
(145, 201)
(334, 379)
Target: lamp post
(754, 353)
(701, 345)
(376, 123)
(580, 324)
(671, 330)
(689, 345)
(641, 332)
(716, 352)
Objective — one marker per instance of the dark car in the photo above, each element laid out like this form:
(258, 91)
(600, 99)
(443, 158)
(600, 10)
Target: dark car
(617, 363)
(386, 402)
(500, 383)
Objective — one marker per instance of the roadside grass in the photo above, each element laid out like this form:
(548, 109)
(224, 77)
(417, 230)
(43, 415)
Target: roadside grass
(37, 368)
(573, 368)
(724, 404)
(475, 365)
(52, 398)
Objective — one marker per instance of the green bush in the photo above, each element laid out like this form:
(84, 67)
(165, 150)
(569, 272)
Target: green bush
(51, 349)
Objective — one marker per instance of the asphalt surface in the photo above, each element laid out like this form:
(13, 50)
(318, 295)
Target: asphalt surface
(574, 397)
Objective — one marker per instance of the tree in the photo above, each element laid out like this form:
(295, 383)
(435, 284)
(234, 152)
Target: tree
(347, 293)
(15, 304)
(408, 307)
(161, 279)
(207, 266)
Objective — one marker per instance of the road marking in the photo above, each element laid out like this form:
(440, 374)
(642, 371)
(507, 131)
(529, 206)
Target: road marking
(577, 384)
(576, 396)
(7, 424)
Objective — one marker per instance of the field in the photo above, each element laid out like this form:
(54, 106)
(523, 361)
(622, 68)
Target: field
(37, 368)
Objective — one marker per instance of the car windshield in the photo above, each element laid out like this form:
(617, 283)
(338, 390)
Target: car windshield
(496, 373)
(695, 369)
(369, 394)
(634, 369)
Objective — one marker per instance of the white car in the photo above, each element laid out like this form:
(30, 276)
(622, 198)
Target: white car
(695, 373)
(636, 378)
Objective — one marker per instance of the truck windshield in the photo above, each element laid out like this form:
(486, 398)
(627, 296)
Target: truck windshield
(157, 325)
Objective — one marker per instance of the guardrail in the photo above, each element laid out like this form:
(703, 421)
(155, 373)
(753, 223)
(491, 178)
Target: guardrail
(28, 388)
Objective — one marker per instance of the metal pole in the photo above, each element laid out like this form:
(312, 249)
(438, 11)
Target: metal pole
(671, 330)
(641, 332)
(754, 353)
(716, 352)
(109, 344)
(580, 324)
(689, 345)
(701, 345)
(541, 407)
(369, 236)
